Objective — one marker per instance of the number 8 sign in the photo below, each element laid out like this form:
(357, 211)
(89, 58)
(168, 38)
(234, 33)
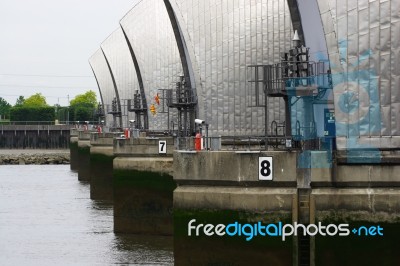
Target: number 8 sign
(265, 170)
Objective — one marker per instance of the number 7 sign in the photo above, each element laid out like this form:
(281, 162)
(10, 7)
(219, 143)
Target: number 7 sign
(265, 170)
(162, 147)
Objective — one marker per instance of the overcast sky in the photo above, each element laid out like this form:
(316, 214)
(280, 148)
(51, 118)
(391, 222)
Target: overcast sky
(42, 39)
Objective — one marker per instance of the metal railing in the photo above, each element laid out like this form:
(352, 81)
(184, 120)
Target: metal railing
(33, 123)
(288, 78)
(181, 97)
(238, 143)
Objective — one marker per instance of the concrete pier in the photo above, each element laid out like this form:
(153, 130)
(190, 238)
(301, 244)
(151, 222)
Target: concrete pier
(357, 207)
(350, 172)
(224, 187)
(159, 190)
(361, 192)
(83, 155)
(101, 165)
(73, 148)
(234, 167)
(143, 186)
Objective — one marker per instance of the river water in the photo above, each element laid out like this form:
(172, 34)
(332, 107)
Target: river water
(47, 218)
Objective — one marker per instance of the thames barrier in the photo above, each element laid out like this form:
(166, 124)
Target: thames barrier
(248, 111)
(261, 132)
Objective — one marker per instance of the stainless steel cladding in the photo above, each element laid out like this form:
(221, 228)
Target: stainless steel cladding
(118, 56)
(363, 40)
(106, 87)
(222, 39)
(149, 31)
(359, 38)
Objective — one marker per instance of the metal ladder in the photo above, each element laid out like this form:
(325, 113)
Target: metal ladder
(304, 255)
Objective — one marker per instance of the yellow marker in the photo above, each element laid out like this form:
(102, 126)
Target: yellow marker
(153, 109)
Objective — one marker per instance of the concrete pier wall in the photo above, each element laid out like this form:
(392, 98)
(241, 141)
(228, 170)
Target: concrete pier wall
(224, 187)
(353, 185)
(357, 204)
(73, 149)
(357, 207)
(143, 147)
(250, 199)
(143, 187)
(234, 167)
(160, 194)
(352, 173)
(101, 165)
(84, 155)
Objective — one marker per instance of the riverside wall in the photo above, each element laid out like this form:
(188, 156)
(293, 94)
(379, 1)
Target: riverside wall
(34, 136)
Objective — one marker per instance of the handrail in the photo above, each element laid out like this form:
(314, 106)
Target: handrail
(33, 123)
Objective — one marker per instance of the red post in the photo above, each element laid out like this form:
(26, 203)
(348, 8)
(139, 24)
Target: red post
(197, 142)
(126, 133)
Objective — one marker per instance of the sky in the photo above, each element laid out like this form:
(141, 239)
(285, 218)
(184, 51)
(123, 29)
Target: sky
(45, 45)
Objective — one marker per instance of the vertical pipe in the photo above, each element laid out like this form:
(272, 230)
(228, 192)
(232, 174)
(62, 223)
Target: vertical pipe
(256, 85)
(267, 77)
(185, 114)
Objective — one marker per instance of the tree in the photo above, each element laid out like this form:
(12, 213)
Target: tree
(4, 108)
(82, 107)
(88, 99)
(36, 100)
(33, 108)
(20, 101)
(25, 113)
(83, 114)
(62, 113)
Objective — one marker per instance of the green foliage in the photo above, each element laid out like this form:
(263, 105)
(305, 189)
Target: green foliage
(20, 101)
(83, 113)
(36, 100)
(33, 108)
(87, 99)
(4, 108)
(82, 106)
(62, 113)
(26, 113)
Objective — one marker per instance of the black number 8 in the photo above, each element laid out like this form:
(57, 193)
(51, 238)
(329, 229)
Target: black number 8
(265, 168)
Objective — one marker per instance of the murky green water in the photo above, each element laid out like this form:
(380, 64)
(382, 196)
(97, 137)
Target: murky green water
(47, 218)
